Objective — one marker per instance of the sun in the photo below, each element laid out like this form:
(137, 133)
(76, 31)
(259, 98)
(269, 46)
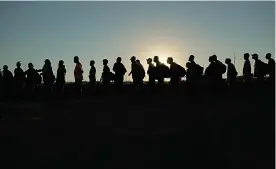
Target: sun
(162, 54)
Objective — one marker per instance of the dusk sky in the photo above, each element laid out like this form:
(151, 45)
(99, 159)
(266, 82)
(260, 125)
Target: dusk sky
(34, 31)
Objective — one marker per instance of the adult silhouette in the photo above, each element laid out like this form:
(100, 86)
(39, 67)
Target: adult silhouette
(213, 72)
(47, 75)
(19, 77)
(78, 74)
(136, 72)
(176, 71)
(194, 71)
(120, 71)
(151, 71)
(32, 78)
(7, 81)
(247, 68)
(162, 71)
(61, 72)
(270, 67)
(259, 68)
(106, 73)
(231, 72)
(92, 74)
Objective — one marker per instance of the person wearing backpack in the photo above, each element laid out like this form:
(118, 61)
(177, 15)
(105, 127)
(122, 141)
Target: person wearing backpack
(231, 72)
(195, 71)
(259, 68)
(162, 71)
(176, 71)
(120, 71)
(151, 72)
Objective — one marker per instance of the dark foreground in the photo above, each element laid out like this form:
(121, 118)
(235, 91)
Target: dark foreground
(226, 130)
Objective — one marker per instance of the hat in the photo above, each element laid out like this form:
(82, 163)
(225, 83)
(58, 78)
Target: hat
(133, 58)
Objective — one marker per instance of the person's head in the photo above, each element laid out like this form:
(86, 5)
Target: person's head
(170, 60)
(191, 58)
(138, 61)
(188, 64)
(215, 58)
(30, 65)
(5, 67)
(60, 63)
(227, 60)
(133, 59)
(105, 62)
(211, 59)
(246, 56)
(18, 64)
(92, 63)
(76, 59)
(149, 61)
(268, 56)
(156, 59)
(119, 60)
(255, 56)
(47, 62)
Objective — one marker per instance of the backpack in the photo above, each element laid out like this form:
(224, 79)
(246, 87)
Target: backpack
(165, 71)
(181, 71)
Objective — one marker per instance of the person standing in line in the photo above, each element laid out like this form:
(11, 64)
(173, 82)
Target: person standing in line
(78, 74)
(61, 72)
(231, 72)
(92, 75)
(120, 71)
(151, 72)
(19, 77)
(246, 68)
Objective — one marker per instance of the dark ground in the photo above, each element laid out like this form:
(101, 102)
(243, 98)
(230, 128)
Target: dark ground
(226, 130)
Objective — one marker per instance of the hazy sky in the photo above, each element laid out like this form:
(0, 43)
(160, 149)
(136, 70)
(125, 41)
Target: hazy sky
(33, 31)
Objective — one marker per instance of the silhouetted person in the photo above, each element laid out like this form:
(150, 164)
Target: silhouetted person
(120, 71)
(194, 71)
(151, 72)
(176, 71)
(135, 72)
(259, 68)
(92, 74)
(32, 78)
(162, 71)
(7, 81)
(220, 65)
(247, 68)
(48, 76)
(61, 72)
(78, 73)
(231, 72)
(142, 70)
(270, 67)
(213, 72)
(19, 77)
(106, 73)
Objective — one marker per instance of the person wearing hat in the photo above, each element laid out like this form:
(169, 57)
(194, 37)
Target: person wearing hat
(231, 72)
(151, 71)
(246, 68)
(259, 67)
(19, 77)
(271, 66)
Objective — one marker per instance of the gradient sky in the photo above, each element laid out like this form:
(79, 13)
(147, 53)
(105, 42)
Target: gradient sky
(33, 31)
